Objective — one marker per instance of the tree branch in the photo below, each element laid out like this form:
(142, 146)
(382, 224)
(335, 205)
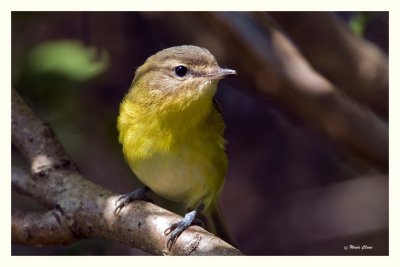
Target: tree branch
(40, 228)
(86, 208)
(356, 66)
(321, 103)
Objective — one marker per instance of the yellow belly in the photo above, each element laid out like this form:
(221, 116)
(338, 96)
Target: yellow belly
(190, 170)
(178, 159)
(179, 176)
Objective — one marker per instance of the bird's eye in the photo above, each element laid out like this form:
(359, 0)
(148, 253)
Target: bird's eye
(181, 70)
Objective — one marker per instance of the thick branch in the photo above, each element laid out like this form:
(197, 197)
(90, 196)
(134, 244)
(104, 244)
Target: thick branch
(40, 228)
(35, 139)
(88, 208)
(353, 64)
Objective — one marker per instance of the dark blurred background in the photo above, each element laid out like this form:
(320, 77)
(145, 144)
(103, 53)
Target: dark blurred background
(294, 186)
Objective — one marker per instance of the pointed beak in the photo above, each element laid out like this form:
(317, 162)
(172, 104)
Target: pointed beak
(221, 73)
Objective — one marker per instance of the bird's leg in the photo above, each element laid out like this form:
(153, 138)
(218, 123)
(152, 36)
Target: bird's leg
(199, 222)
(176, 229)
(125, 199)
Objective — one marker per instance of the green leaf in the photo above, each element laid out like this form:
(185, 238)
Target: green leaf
(67, 58)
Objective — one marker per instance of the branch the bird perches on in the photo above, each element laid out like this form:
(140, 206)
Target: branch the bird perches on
(80, 209)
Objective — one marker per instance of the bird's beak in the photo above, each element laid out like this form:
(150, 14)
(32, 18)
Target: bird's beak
(221, 73)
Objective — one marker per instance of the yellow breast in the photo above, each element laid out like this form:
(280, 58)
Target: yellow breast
(180, 157)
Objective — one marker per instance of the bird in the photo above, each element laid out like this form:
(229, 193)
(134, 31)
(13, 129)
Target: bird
(171, 132)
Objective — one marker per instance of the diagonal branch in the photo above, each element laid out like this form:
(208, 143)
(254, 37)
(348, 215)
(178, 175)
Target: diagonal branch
(356, 66)
(86, 208)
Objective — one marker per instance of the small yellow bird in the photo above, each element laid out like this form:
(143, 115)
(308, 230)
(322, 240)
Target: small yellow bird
(172, 133)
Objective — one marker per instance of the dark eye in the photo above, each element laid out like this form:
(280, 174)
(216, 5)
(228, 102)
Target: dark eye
(181, 70)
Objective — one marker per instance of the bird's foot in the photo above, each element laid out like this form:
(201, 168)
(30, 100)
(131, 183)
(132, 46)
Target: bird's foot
(125, 199)
(176, 229)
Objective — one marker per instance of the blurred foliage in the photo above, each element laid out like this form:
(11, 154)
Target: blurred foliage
(67, 58)
(54, 73)
(358, 23)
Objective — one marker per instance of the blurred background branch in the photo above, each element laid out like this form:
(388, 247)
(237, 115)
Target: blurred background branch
(353, 64)
(270, 63)
(307, 116)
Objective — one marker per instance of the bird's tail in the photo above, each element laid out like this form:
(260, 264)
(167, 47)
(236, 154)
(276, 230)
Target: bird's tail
(216, 224)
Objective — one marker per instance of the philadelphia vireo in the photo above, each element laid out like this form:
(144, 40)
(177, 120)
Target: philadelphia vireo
(172, 133)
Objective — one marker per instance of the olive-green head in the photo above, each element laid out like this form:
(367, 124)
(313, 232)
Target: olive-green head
(177, 76)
